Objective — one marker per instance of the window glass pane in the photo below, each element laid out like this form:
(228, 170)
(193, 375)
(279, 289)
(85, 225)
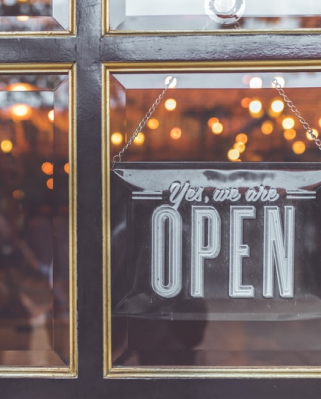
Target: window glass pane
(215, 258)
(203, 116)
(34, 16)
(34, 242)
(152, 15)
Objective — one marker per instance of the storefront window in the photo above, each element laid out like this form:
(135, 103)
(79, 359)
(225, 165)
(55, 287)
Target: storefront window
(34, 221)
(214, 219)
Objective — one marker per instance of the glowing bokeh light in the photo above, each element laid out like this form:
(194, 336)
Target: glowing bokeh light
(315, 132)
(23, 18)
(233, 154)
(255, 106)
(47, 168)
(280, 80)
(116, 138)
(217, 128)
(211, 121)
(6, 146)
(66, 168)
(255, 83)
(51, 115)
(176, 133)
(239, 146)
(288, 123)
(21, 111)
(153, 123)
(277, 106)
(139, 139)
(298, 147)
(50, 183)
(267, 127)
(289, 134)
(173, 84)
(241, 138)
(245, 102)
(170, 104)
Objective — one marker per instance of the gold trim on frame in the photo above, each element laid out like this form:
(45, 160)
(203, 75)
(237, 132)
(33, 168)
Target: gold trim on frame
(111, 372)
(72, 28)
(69, 371)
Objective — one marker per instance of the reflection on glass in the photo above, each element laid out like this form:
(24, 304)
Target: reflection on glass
(34, 310)
(34, 16)
(142, 15)
(211, 113)
(237, 119)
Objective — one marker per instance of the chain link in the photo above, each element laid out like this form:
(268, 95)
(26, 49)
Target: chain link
(117, 158)
(296, 112)
(278, 87)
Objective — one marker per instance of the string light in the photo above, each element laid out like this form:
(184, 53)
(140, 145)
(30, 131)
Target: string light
(116, 138)
(315, 132)
(170, 104)
(298, 147)
(217, 128)
(288, 123)
(267, 127)
(256, 83)
(47, 168)
(241, 138)
(140, 138)
(6, 146)
(153, 123)
(176, 133)
(289, 134)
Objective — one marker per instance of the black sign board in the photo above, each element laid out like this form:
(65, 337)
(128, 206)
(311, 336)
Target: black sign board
(207, 241)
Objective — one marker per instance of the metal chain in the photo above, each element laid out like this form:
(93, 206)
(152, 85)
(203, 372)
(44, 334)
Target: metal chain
(296, 112)
(117, 158)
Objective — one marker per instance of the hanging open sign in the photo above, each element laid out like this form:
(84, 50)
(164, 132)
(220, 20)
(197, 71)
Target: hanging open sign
(242, 240)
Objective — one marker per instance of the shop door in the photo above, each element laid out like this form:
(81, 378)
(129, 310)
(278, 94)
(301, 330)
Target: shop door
(94, 51)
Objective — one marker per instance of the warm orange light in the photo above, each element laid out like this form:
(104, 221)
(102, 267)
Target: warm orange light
(23, 18)
(217, 128)
(233, 154)
(140, 138)
(116, 138)
(239, 146)
(211, 121)
(19, 87)
(267, 127)
(66, 167)
(315, 132)
(6, 146)
(255, 106)
(51, 115)
(176, 133)
(245, 102)
(153, 123)
(277, 106)
(319, 122)
(241, 138)
(255, 83)
(20, 111)
(289, 134)
(288, 123)
(298, 147)
(170, 104)
(47, 168)
(18, 194)
(50, 183)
